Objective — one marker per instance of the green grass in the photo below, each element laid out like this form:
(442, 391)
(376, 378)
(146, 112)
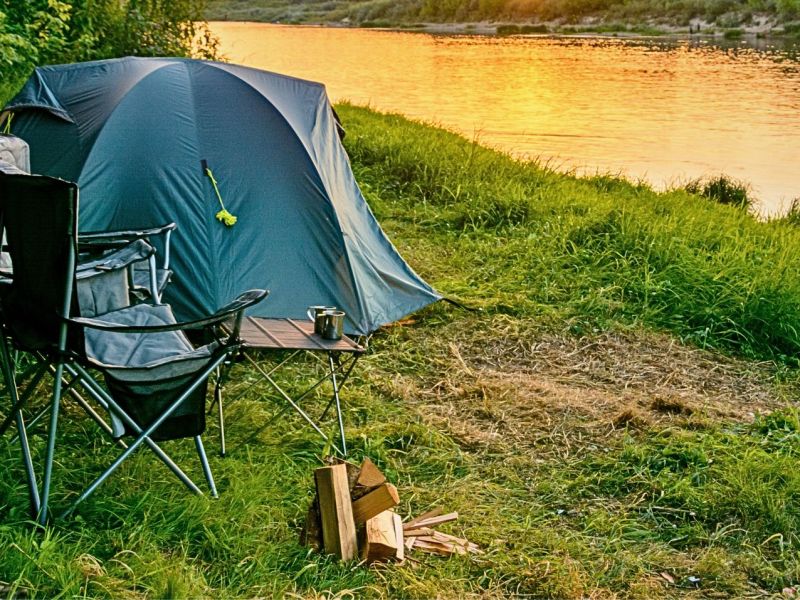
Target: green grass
(593, 252)
(570, 498)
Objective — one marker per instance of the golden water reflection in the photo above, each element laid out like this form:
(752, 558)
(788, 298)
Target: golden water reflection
(654, 112)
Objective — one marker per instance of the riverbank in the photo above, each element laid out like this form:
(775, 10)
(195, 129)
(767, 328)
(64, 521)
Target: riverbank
(708, 19)
(695, 29)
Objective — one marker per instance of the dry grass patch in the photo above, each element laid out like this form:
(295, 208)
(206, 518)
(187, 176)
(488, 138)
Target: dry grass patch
(562, 393)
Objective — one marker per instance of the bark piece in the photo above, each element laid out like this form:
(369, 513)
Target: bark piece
(311, 534)
(400, 554)
(352, 470)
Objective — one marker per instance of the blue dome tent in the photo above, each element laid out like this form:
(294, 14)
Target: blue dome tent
(134, 132)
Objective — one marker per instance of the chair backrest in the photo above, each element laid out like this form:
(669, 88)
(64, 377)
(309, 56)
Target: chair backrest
(39, 216)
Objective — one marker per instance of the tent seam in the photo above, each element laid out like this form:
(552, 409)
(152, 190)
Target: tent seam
(164, 64)
(356, 287)
(211, 223)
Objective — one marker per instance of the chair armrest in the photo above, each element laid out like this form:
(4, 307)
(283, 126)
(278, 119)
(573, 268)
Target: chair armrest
(112, 239)
(106, 236)
(129, 254)
(235, 308)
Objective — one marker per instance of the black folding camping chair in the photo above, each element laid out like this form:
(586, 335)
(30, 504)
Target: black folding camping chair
(156, 380)
(112, 267)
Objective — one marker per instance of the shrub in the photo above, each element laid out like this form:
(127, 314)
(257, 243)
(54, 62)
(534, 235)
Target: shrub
(38, 32)
(722, 189)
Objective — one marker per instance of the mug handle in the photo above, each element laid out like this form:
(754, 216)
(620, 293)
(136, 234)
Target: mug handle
(310, 314)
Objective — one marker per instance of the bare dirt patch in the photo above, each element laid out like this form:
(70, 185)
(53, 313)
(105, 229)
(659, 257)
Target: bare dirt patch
(563, 393)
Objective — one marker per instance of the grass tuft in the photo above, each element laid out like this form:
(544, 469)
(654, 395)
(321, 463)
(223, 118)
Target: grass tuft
(722, 189)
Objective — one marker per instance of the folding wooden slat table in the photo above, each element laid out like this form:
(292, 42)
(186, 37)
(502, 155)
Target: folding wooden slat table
(297, 336)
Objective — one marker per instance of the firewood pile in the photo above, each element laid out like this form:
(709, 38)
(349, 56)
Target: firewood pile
(351, 517)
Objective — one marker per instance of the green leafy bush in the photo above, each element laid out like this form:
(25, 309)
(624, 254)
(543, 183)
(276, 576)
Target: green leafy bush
(38, 32)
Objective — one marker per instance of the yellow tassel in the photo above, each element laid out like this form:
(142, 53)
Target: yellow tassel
(225, 217)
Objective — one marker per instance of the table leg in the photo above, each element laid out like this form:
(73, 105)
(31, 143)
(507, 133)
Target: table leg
(338, 403)
(346, 370)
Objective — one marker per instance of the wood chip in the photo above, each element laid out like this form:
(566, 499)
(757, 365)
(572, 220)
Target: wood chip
(431, 513)
(430, 522)
(418, 531)
(437, 547)
(667, 577)
(461, 542)
(420, 535)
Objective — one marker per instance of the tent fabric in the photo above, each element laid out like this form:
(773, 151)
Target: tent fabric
(132, 133)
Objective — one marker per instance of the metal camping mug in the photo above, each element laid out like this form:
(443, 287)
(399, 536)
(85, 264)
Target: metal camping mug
(333, 326)
(316, 314)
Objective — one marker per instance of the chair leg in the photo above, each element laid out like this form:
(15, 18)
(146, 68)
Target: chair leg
(201, 452)
(143, 437)
(220, 415)
(22, 400)
(51, 444)
(30, 474)
(27, 461)
(96, 392)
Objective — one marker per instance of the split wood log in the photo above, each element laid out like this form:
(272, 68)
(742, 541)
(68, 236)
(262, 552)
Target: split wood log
(380, 538)
(352, 470)
(352, 475)
(375, 502)
(370, 476)
(336, 512)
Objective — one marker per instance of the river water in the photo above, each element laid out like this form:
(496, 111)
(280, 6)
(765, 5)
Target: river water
(659, 111)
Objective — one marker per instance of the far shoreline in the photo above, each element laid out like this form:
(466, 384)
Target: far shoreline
(697, 30)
